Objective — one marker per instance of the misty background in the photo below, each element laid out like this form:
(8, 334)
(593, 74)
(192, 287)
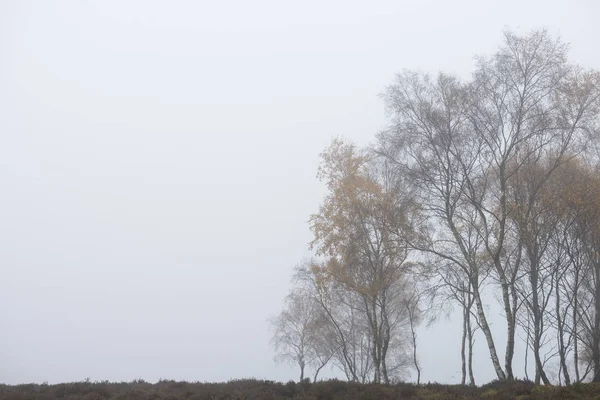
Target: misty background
(158, 161)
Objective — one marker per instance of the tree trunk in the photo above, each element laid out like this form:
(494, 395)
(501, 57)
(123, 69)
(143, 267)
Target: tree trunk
(317, 371)
(386, 341)
(487, 332)
(575, 331)
(561, 332)
(537, 334)
(471, 343)
(537, 317)
(384, 371)
(414, 346)
(510, 336)
(596, 331)
(510, 320)
(463, 359)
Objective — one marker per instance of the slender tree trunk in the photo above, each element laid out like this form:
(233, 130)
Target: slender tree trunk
(526, 357)
(474, 284)
(384, 374)
(463, 378)
(536, 348)
(596, 331)
(376, 365)
(386, 340)
(561, 332)
(527, 330)
(471, 343)
(510, 344)
(537, 318)
(323, 363)
(576, 331)
(371, 307)
(414, 346)
(376, 360)
(510, 319)
(317, 373)
(510, 335)
(471, 376)
(487, 332)
(384, 370)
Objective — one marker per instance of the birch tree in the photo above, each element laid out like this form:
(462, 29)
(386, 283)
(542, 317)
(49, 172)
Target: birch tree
(462, 143)
(363, 256)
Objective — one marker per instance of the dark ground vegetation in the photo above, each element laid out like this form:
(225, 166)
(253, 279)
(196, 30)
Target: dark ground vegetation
(256, 389)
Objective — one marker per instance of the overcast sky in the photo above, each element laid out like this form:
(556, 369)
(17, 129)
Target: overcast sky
(158, 161)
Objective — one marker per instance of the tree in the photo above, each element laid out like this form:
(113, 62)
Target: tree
(298, 334)
(433, 151)
(461, 144)
(412, 305)
(364, 257)
(343, 327)
(476, 185)
(577, 201)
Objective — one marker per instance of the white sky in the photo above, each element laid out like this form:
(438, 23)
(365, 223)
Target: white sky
(158, 160)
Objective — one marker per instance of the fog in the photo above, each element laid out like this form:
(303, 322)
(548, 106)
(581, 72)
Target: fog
(158, 162)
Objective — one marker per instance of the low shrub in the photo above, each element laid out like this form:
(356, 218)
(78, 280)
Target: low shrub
(251, 389)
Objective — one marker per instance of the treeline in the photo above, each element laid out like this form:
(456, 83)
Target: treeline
(482, 188)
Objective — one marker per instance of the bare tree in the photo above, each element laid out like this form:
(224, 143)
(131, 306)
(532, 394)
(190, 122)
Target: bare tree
(565, 218)
(432, 148)
(414, 313)
(323, 346)
(291, 332)
(477, 185)
(584, 197)
(300, 334)
(463, 144)
(343, 325)
(363, 256)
